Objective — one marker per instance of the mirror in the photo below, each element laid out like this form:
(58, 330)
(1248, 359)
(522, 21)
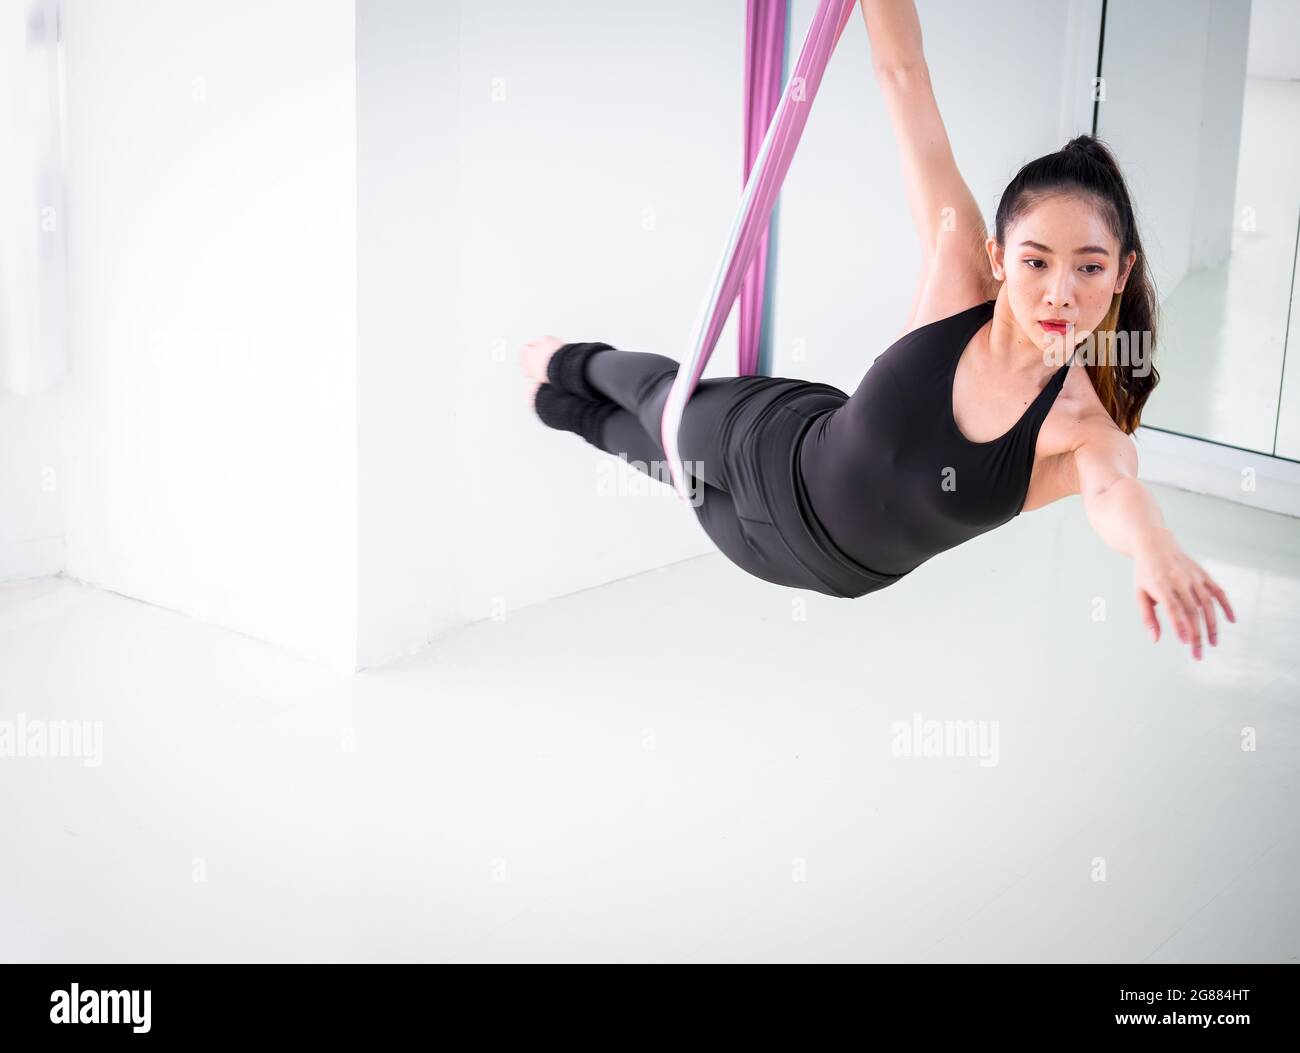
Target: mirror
(1201, 103)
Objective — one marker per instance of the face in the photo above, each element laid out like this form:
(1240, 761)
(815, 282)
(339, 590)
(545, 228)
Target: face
(1060, 262)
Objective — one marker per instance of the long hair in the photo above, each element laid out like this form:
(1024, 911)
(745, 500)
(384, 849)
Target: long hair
(1086, 165)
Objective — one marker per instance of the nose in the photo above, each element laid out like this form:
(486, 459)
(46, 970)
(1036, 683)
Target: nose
(1058, 292)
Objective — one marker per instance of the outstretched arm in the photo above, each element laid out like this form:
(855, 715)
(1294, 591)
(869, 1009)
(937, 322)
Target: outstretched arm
(955, 272)
(1127, 518)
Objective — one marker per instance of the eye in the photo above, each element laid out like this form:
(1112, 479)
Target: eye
(1097, 265)
(1032, 260)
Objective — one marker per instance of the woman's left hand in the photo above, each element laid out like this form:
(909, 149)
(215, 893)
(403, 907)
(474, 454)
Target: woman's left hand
(1163, 573)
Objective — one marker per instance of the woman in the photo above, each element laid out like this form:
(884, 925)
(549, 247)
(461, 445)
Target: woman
(993, 401)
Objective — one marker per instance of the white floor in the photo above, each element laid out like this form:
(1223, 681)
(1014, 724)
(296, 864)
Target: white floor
(682, 766)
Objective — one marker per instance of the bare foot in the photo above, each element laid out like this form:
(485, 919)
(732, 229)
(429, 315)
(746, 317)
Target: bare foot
(534, 355)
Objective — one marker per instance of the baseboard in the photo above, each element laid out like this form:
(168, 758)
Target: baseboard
(31, 558)
(1248, 478)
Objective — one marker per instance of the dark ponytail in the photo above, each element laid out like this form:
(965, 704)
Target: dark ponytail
(1123, 382)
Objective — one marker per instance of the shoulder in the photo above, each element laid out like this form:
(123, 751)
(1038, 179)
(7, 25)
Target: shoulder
(1098, 450)
(1079, 444)
(1076, 414)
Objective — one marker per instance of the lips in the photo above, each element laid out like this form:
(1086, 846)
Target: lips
(1054, 325)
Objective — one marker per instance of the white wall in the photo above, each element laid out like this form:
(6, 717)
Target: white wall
(31, 512)
(1274, 30)
(33, 350)
(210, 411)
(521, 173)
(411, 485)
(598, 191)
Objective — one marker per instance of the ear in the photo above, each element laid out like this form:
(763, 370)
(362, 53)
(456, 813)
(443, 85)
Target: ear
(994, 250)
(1129, 260)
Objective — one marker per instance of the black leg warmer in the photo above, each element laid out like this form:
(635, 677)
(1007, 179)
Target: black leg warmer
(565, 368)
(586, 417)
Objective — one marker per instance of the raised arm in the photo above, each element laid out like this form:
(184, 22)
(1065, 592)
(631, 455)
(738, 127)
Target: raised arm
(955, 272)
(1127, 518)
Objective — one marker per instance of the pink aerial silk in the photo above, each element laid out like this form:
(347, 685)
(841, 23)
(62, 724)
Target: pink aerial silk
(751, 224)
(764, 58)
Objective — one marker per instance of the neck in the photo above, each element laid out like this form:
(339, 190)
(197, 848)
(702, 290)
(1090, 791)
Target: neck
(1013, 350)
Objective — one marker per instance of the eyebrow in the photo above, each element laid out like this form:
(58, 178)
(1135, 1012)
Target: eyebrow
(1078, 252)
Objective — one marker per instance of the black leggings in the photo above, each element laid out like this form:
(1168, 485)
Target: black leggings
(739, 441)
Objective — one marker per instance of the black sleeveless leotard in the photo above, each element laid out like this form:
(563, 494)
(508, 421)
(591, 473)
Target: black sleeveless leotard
(889, 474)
(799, 483)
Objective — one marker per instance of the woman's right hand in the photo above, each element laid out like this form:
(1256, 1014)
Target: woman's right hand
(1164, 574)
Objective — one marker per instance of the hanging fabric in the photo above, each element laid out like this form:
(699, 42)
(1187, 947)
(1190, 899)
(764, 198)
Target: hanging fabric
(751, 222)
(765, 53)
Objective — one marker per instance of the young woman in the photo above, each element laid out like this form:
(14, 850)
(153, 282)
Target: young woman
(983, 408)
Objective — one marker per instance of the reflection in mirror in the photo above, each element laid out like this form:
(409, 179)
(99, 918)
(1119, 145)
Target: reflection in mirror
(1201, 105)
